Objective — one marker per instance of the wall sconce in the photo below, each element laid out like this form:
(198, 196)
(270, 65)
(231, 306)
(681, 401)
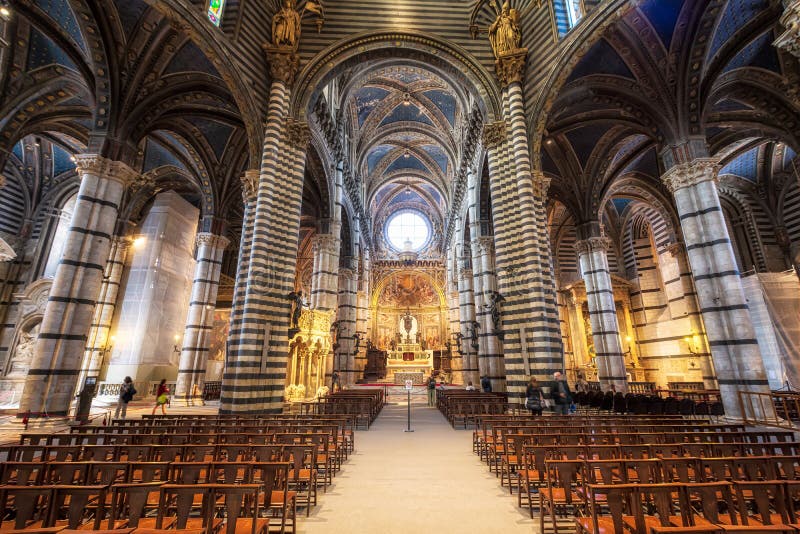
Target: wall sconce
(628, 340)
(690, 343)
(175, 347)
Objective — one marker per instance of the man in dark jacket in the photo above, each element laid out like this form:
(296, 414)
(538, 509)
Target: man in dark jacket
(486, 384)
(562, 396)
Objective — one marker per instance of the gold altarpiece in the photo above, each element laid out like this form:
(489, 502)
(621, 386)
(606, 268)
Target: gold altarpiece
(408, 317)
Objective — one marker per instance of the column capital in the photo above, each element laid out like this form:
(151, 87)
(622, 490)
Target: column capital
(510, 66)
(107, 168)
(485, 244)
(541, 183)
(348, 274)
(327, 243)
(593, 244)
(250, 184)
(691, 173)
(297, 133)
(211, 240)
(789, 40)
(494, 134)
(283, 63)
(465, 274)
(675, 249)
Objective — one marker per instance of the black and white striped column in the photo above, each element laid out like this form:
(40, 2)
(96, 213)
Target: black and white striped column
(249, 190)
(490, 356)
(347, 316)
(325, 273)
(51, 382)
(209, 250)
(593, 260)
(255, 374)
(99, 333)
(466, 299)
(729, 328)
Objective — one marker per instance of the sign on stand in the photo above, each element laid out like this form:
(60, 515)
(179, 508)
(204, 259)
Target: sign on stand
(409, 387)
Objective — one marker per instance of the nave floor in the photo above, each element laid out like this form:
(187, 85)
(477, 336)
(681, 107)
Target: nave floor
(428, 481)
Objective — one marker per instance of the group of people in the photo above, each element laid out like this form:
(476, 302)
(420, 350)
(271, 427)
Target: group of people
(560, 395)
(127, 391)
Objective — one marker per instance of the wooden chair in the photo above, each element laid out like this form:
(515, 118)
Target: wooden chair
(186, 507)
(302, 475)
(23, 473)
(230, 472)
(135, 505)
(78, 507)
(148, 472)
(274, 478)
(767, 501)
(239, 505)
(29, 506)
(564, 478)
(617, 499)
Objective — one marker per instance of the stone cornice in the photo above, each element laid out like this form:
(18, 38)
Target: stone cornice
(691, 173)
(106, 168)
(211, 240)
(593, 244)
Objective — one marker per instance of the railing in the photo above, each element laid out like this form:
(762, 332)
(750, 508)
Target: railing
(685, 385)
(778, 408)
(212, 390)
(643, 388)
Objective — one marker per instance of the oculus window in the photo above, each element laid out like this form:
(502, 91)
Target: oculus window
(408, 226)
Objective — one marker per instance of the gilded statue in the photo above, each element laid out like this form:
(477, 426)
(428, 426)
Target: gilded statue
(504, 33)
(286, 26)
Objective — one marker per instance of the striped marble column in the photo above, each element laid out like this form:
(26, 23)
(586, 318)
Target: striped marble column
(99, 341)
(362, 320)
(466, 299)
(255, 377)
(789, 40)
(249, 189)
(51, 382)
(325, 276)
(593, 260)
(344, 360)
(490, 357)
(532, 337)
(729, 328)
(197, 335)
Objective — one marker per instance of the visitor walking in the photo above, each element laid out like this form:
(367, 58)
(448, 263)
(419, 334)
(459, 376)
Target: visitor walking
(162, 397)
(562, 396)
(335, 381)
(431, 391)
(533, 397)
(126, 393)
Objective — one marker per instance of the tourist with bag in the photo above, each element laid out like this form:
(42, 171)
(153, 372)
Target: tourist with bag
(534, 397)
(431, 391)
(162, 397)
(126, 393)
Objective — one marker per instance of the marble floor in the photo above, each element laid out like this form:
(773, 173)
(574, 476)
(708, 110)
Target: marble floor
(428, 481)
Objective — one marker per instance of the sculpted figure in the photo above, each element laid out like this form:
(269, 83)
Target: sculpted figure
(286, 26)
(297, 298)
(504, 33)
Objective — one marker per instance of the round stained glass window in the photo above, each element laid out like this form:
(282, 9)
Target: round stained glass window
(407, 230)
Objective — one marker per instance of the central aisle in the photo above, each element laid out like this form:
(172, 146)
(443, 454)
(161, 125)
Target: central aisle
(420, 482)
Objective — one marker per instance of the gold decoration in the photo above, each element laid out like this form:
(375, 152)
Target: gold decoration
(494, 134)
(504, 33)
(510, 66)
(789, 40)
(286, 26)
(283, 64)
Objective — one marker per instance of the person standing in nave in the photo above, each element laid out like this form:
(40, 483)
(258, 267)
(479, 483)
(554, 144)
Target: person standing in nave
(162, 397)
(431, 391)
(486, 384)
(534, 397)
(126, 393)
(562, 396)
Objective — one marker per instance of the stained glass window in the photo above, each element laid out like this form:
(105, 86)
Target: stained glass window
(215, 8)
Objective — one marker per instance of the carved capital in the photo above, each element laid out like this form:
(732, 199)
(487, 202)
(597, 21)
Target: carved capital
(283, 64)
(675, 249)
(691, 173)
(593, 244)
(348, 274)
(298, 134)
(541, 184)
(250, 185)
(465, 274)
(105, 168)
(325, 244)
(789, 40)
(485, 245)
(205, 239)
(494, 134)
(510, 66)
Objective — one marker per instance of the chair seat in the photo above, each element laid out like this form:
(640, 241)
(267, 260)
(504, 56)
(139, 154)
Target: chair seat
(651, 522)
(244, 525)
(33, 525)
(276, 499)
(559, 496)
(605, 525)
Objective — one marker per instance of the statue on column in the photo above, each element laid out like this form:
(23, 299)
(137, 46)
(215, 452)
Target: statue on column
(473, 334)
(297, 298)
(357, 339)
(504, 33)
(494, 309)
(286, 26)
